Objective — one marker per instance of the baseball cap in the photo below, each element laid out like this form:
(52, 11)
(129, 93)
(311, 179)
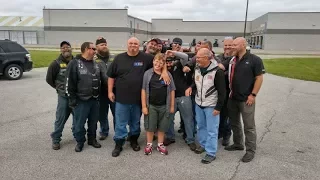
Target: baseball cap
(65, 42)
(157, 40)
(177, 41)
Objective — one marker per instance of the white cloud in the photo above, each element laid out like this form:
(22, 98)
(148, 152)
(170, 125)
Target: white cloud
(232, 10)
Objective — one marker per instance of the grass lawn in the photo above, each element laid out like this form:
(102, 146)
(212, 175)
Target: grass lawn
(297, 68)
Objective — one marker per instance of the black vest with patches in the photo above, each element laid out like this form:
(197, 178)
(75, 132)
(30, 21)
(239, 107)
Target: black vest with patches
(61, 78)
(88, 83)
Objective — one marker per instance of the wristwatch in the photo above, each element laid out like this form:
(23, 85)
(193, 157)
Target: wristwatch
(253, 94)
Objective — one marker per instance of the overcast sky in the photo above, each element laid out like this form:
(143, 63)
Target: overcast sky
(231, 10)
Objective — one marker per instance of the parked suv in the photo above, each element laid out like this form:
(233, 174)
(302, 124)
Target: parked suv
(14, 60)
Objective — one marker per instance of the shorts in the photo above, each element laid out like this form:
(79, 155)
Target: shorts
(157, 119)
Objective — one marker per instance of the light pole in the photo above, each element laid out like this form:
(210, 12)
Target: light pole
(245, 21)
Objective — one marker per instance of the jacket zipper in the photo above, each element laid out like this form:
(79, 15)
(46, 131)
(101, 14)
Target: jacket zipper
(201, 88)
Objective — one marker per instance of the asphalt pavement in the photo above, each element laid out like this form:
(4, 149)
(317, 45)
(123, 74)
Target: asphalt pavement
(287, 121)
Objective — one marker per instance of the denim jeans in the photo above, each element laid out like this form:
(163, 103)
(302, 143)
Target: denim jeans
(208, 126)
(62, 114)
(127, 114)
(86, 110)
(184, 105)
(105, 103)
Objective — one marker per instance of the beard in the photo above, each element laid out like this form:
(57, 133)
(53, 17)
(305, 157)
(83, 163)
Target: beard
(104, 53)
(67, 54)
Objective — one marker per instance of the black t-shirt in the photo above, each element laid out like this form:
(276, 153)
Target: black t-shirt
(128, 72)
(244, 76)
(180, 79)
(158, 91)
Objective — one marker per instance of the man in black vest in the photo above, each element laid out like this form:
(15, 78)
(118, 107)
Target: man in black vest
(83, 85)
(56, 79)
(102, 58)
(225, 126)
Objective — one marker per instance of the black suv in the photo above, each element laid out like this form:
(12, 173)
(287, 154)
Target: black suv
(14, 60)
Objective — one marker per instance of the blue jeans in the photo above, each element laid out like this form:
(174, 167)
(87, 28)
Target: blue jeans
(127, 114)
(86, 110)
(184, 105)
(62, 114)
(208, 127)
(105, 103)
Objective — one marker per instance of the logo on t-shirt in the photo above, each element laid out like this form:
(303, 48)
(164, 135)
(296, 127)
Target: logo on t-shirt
(138, 64)
(162, 82)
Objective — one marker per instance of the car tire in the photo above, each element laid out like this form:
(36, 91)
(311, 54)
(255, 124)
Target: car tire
(13, 72)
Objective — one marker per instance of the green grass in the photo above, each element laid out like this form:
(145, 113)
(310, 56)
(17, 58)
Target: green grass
(297, 68)
(43, 58)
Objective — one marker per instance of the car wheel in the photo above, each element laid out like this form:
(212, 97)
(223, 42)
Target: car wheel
(13, 72)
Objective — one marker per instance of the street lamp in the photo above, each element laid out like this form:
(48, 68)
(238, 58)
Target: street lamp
(245, 21)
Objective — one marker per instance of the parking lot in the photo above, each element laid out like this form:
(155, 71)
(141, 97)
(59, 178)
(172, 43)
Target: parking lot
(287, 120)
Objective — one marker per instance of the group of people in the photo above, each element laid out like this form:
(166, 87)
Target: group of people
(210, 92)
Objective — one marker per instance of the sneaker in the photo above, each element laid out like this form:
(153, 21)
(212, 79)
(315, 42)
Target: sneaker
(199, 150)
(192, 146)
(208, 159)
(148, 150)
(248, 157)
(167, 142)
(234, 147)
(79, 147)
(162, 149)
(55, 146)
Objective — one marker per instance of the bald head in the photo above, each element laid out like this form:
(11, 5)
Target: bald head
(239, 46)
(133, 46)
(203, 57)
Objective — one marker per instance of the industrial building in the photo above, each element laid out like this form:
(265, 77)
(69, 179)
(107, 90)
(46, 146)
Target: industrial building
(298, 31)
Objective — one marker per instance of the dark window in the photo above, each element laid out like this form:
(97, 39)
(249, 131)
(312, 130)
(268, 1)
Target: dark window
(12, 47)
(130, 27)
(1, 50)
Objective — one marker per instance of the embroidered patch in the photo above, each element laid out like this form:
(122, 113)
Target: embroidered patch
(197, 78)
(210, 77)
(63, 65)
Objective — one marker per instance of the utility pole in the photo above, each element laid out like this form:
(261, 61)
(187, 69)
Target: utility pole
(245, 21)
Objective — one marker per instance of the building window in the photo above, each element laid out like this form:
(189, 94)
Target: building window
(16, 36)
(131, 27)
(4, 35)
(137, 25)
(30, 38)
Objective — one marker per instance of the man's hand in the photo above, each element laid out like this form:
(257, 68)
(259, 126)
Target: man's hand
(145, 111)
(165, 77)
(172, 109)
(169, 53)
(221, 66)
(251, 100)
(72, 103)
(111, 97)
(188, 91)
(215, 112)
(186, 69)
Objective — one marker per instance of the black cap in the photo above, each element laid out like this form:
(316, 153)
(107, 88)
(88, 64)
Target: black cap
(101, 40)
(65, 42)
(177, 41)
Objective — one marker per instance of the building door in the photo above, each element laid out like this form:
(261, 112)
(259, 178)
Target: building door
(261, 42)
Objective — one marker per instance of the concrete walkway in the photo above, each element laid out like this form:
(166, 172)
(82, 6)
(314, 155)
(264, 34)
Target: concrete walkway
(287, 120)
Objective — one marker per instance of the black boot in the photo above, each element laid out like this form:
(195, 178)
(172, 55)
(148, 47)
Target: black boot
(94, 143)
(134, 142)
(118, 148)
(79, 147)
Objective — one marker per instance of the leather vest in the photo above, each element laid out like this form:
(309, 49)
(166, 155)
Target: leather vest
(61, 78)
(89, 83)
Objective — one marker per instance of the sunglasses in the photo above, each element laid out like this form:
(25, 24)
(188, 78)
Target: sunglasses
(93, 48)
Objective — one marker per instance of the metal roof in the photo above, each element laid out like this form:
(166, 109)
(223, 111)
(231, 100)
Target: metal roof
(27, 21)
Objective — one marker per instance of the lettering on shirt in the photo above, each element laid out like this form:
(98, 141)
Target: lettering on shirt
(138, 64)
